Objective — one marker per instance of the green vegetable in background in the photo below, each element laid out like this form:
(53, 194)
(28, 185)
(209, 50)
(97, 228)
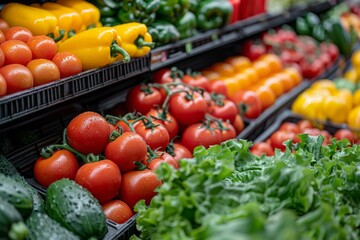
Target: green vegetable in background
(312, 19)
(342, 83)
(224, 192)
(186, 25)
(213, 14)
(302, 27)
(163, 32)
(318, 32)
(143, 11)
(171, 10)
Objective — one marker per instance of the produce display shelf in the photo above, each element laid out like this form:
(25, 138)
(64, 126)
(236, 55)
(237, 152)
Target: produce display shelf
(45, 96)
(289, 116)
(172, 53)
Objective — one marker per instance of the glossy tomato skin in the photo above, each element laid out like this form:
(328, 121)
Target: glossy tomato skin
(125, 150)
(239, 124)
(218, 87)
(346, 133)
(62, 164)
(16, 52)
(253, 50)
(250, 101)
(170, 123)
(331, 49)
(68, 64)
(157, 137)
(3, 86)
(17, 77)
(312, 69)
(198, 135)
(88, 132)
(102, 179)
(18, 33)
(164, 157)
(290, 127)
(181, 152)
(225, 110)
(199, 81)
(137, 185)
(262, 147)
(43, 71)
(278, 137)
(42, 47)
(123, 125)
(228, 132)
(163, 76)
(304, 124)
(188, 111)
(142, 98)
(117, 211)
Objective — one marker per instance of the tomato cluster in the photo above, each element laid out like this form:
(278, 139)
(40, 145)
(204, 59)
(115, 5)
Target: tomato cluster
(290, 130)
(27, 60)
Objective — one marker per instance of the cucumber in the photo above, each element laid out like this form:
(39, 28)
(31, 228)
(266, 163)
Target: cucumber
(43, 227)
(17, 194)
(9, 170)
(76, 209)
(11, 222)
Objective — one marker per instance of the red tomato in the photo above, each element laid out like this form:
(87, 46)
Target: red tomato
(224, 109)
(188, 108)
(198, 135)
(16, 51)
(228, 132)
(311, 68)
(102, 179)
(4, 26)
(17, 77)
(111, 129)
(18, 33)
(121, 124)
(43, 71)
(346, 133)
(42, 47)
(291, 56)
(287, 35)
(238, 124)
(166, 75)
(88, 132)
(164, 157)
(3, 86)
(2, 58)
(253, 49)
(2, 37)
(327, 137)
(62, 164)
(249, 103)
(68, 64)
(312, 131)
(142, 98)
(278, 137)
(156, 137)
(326, 59)
(307, 44)
(290, 127)
(218, 87)
(304, 124)
(199, 81)
(125, 150)
(331, 49)
(181, 152)
(117, 211)
(262, 147)
(137, 185)
(167, 120)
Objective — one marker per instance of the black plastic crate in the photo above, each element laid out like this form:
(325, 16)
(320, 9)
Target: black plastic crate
(45, 96)
(289, 116)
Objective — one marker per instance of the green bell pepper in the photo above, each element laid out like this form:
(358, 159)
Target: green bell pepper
(302, 27)
(163, 32)
(109, 21)
(312, 19)
(106, 11)
(186, 25)
(106, 3)
(170, 10)
(143, 11)
(338, 35)
(213, 14)
(318, 32)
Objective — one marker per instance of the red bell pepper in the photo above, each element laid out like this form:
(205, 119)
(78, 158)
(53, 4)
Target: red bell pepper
(236, 10)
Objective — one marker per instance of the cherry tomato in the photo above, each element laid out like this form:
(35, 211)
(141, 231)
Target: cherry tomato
(253, 49)
(17, 77)
(181, 152)
(18, 33)
(291, 56)
(304, 124)
(126, 150)
(156, 137)
(102, 179)
(262, 147)
(249, 103)
(198, 135)
(346, 133)
(218, 87)
(169, 121)
(42, 47)
(164, 157)
(68, 64)
(16, 51)
(62, 164)
(2, 37)
(137, 185)
(4, 25)
(278, 137)
(88, 132)
(311, 69)
(142, 98)
(43, 71)
(3, 86)
(326, 59)
(199, 81)
(224, 109)
(228, 132)
(238, 124)
(188, 108)
(290, 127)
(117, 211)
(121, 124)
(331, 49)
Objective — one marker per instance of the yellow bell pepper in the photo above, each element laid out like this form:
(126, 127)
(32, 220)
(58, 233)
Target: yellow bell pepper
(38, 21)
(69, 20)
(356, 98)
(136, 40)
(95, 47)
(335, 108)
(353, 119)
(89, 13)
